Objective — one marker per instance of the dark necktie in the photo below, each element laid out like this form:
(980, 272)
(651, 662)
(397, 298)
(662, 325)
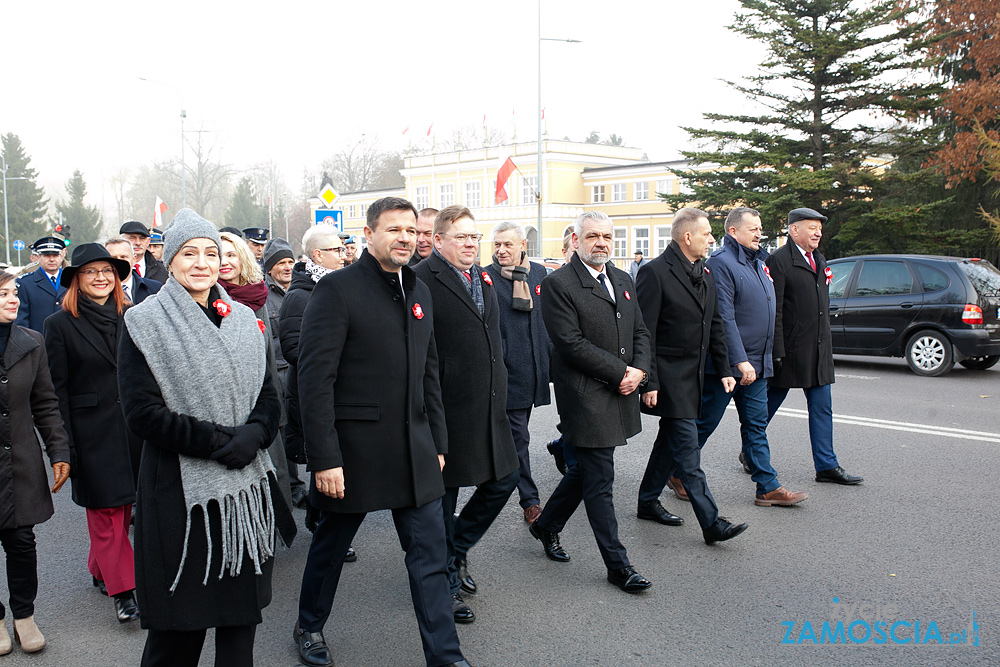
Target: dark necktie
(54, 283)
(812, 263)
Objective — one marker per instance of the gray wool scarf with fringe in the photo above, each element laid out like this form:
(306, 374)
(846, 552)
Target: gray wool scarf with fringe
(213, 374)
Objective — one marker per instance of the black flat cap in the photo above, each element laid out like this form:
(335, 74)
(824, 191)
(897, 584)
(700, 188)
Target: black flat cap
(805, 214)
(133, 227)
(232, 230)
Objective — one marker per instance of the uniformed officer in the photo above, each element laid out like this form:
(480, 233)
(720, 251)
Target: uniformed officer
(256, 238)
(156, 244)
(39, 291)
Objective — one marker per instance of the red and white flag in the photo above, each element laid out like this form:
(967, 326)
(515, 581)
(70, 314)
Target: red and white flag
(429, 129)
(158, 210)
(507, 168)
(407, 129)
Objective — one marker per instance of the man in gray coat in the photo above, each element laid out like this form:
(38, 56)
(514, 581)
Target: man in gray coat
(601, 359)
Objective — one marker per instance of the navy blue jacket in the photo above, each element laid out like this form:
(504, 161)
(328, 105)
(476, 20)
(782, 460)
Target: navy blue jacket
(39, 299)
(143, 287)
(525, 342)
(747, 305)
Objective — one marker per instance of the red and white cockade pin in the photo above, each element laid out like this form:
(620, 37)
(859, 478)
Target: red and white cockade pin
(706, 270)
(221, 307)
(538, 289)
(418, 312)
(829, 275)
(628, 297)
(487, 279)
(767, 272)
(260, 325)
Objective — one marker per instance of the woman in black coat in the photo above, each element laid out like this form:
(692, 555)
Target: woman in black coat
(27, 401)
(82, 345)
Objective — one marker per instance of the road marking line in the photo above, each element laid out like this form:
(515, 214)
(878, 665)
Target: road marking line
(942, 431)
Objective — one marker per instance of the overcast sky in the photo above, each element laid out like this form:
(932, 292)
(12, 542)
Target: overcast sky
(295, 81)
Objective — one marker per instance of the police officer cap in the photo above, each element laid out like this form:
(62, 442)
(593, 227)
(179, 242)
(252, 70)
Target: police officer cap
(347, 238)
(133, 227)
(232, 230)
(48, 245)
(805, 214)
(155, 237)
(256, 234)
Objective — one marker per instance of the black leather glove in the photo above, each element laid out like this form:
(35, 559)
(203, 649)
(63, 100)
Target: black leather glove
(242, 448)
(776, 362)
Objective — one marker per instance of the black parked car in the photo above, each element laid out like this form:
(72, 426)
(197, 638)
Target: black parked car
(933, 311)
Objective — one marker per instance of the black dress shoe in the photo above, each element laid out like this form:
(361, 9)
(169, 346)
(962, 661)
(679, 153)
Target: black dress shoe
(351, 556)
(460, 663)
(838, 476)
(550, 542)
(556, 450)
(313, 650)
(746, 466)
(722, 530)
(99, 585)
(468, 583)
(300, 498)
(126, 608)
(627, 579)
(654, 512)
(461, 611)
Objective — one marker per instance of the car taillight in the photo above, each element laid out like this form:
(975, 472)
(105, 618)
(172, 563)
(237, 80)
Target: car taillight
(972, 314)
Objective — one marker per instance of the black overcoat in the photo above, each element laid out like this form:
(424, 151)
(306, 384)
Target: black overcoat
(155, 269)
(27, 401)
(802, 338)
(683, 333)
(473, 377)
(594, 340)
(525, 341)
(368, 385)
(289, 326)
(105, 455)
(161, 513)
(39, 299)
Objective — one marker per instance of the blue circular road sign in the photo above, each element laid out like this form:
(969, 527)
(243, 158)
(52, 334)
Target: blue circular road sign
(18, 245)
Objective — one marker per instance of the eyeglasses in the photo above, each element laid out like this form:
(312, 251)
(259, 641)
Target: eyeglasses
(90, 273)
(462, 238)
(337, 251)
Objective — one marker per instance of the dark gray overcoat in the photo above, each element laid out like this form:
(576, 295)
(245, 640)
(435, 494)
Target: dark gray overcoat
(802, 338)
(594, 339)
(27, 400)
(473, 377)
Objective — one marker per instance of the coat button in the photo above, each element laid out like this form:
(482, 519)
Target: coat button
(619, 315)
(6, 445)
(118, 400)
(5, 413)
(3, 379)
(623, 350)
(493, 359)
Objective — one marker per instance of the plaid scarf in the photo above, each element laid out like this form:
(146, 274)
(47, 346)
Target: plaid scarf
(519, 276)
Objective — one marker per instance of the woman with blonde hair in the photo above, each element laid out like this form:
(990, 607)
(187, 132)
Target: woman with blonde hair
(82, 344)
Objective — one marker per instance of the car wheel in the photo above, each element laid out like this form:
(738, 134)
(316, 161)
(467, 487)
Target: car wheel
(929, 353)
(981, 363)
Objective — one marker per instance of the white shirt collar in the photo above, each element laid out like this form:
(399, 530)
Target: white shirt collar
(607, 277)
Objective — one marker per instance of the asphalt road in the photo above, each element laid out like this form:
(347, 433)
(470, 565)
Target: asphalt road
(919, 535)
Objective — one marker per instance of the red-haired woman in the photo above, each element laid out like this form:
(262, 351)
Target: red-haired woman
(82, 345)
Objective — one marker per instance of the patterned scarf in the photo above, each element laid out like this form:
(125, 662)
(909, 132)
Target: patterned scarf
(316, 271)
(519, 276)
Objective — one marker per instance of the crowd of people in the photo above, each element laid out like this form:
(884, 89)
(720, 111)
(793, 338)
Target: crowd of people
(180, 379)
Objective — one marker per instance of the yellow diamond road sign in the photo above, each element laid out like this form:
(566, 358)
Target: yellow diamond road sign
(328, 195)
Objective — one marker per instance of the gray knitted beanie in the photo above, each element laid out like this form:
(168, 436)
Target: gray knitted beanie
(185, 226)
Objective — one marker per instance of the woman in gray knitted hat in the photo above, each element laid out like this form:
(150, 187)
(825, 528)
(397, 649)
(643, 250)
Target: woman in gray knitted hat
(195, 386)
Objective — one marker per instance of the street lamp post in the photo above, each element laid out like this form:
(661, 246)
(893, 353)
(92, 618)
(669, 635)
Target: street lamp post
(183, 116)
(6, 220)
(538, 189)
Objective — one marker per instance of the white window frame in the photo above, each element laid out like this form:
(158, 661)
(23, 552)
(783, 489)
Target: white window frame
(473, 194)
(620, 241)
(664, 185)
(661, 236)
(641, 190)
(528, 188)
(350, 211)
(619, 191)
(446, 195)
(422, 197)
(596, 194)
(640, 242)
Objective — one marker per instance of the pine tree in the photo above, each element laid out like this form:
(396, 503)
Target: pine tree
(83, 222)
(836, 88)
(243, 210)
(26, 202)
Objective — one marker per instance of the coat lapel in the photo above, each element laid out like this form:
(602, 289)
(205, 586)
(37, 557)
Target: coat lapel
(18, 345)
(92, 336)
(448, 278)
(587, 280)
(44, 282)
(683, 279)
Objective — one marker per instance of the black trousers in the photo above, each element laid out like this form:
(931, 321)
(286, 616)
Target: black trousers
(421, 535)
(475, 519)
(676, 449)
(176, 648)
(527, 490)
(590, 480)
(22, 570)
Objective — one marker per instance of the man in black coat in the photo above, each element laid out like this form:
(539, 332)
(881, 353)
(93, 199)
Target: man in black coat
(425, 235)
(481, 449)
(525, 345)
(601, 356)
(375, 429)
(136, 287)
(146, 265)
(803, 347)
(39, 291)
(678, 300)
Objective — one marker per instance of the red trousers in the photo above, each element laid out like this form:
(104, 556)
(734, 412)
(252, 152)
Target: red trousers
(111, 559)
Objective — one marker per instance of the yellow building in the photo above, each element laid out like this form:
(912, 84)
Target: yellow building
(576, 177)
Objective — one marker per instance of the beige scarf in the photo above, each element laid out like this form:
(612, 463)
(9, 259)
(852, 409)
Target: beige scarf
(519, 276)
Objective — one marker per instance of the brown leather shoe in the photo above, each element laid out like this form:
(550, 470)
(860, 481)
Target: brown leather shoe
(675, 484)
(780, 496)
(532, 512)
